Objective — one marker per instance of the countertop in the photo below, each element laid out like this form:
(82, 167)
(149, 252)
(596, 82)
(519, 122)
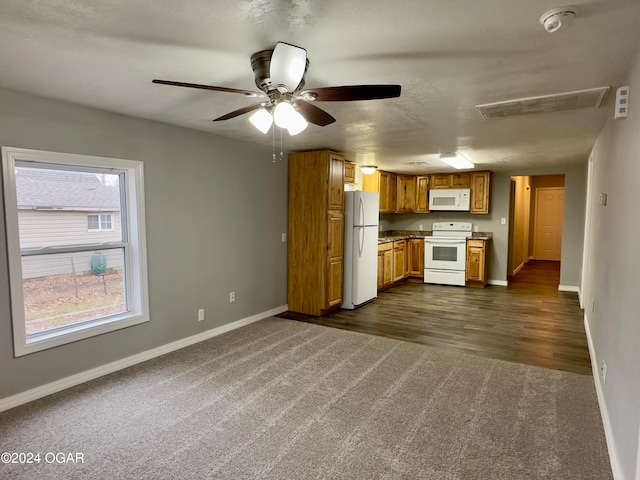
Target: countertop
(393, 235)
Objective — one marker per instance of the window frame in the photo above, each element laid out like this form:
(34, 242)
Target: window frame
(135, 261)
(100, 218)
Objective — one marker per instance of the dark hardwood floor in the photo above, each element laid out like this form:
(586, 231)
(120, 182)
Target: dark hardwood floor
(529, 321)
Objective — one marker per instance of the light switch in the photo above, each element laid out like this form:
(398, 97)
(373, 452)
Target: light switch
(503, 221)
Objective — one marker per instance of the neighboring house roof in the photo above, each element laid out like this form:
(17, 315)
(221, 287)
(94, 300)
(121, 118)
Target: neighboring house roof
(63, 190)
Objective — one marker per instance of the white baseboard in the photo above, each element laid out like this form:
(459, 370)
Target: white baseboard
(501, 283)
(568, 288)
(604, 413)
(73, 380)
(571, 288)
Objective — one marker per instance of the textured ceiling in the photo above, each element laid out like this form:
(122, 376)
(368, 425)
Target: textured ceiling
(449, 56)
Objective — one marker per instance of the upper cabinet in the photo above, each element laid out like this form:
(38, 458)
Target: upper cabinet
(349, 172)
(336, 181)
(450, 180)
(422, 194)
(406, 194)
(480, 182)
(383, 183)
(410, 193)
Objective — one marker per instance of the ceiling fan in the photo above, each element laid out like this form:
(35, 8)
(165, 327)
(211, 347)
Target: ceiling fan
(279, 74)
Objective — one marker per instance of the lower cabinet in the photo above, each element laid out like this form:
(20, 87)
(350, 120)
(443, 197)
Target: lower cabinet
(399, 260)
(393, 264)
(476, 275)
(415, 265)
(385, 265)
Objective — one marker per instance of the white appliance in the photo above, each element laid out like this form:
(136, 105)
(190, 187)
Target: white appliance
(445, 253)
(450, 199)
(360, 248)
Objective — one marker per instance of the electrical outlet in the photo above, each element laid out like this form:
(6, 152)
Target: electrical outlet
(232, 297)
(284, 237)
(420, 227)
(603, 372)
(201, 314)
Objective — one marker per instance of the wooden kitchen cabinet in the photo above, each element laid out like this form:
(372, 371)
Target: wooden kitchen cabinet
(399, 259)
(440, 180)
(315, 231)
(422, 194)
(480, 182)
(406, 194)
(349, 172)
(476, 275)
(336, 256)
(451, 180)
(383, 183)
(385, 265)
(388, 192)
(416, 257)
(460, 180)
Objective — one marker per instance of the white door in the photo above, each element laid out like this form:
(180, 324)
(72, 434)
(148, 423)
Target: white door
(548, 223)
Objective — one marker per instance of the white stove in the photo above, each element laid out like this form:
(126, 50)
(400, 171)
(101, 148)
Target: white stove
(445, 253)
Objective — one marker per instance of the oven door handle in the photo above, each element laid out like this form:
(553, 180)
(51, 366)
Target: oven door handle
(451, 241)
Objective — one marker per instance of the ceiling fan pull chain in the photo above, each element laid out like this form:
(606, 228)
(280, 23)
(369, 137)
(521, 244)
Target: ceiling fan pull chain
(281, 153)
(273, 143)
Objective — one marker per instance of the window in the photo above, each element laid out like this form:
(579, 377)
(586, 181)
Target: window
(99, 222)
(73, 274)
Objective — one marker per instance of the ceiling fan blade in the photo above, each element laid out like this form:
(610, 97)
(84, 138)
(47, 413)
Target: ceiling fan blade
(248, 93)
(288, 64)
(240, 111)
(349, 93)
(314, 114)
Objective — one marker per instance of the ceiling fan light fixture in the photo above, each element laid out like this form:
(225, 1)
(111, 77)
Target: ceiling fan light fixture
(282, 113)
(456, 160)
(262, 120)
(288, 64)
(296, 123)
(368, 169)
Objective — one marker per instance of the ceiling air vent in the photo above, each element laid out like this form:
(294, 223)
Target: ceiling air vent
(593, 97)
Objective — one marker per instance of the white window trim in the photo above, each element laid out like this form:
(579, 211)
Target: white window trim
(136, 260)
(100, 229)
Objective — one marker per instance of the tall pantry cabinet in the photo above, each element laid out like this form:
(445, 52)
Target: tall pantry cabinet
(316, 231)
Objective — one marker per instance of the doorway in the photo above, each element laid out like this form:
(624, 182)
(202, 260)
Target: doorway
(536, 223)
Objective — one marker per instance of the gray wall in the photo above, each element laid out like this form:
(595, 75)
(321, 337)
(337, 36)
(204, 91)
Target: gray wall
(215, 212)
(612, 269)
(573, 230)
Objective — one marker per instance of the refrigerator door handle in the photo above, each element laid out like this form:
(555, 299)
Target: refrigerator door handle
(360, 241)
(361, 212)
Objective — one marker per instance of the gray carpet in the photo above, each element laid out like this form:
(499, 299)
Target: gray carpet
(286, 400)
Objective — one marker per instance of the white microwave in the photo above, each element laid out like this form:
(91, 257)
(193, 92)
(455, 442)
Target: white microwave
(451, 199)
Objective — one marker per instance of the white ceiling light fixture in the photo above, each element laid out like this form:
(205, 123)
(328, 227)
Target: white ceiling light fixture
(368, 169)
(262, 120)
(284, 115)
(554, 19)
(456, 160)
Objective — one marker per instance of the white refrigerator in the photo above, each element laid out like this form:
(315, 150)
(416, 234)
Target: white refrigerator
(360, 248)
